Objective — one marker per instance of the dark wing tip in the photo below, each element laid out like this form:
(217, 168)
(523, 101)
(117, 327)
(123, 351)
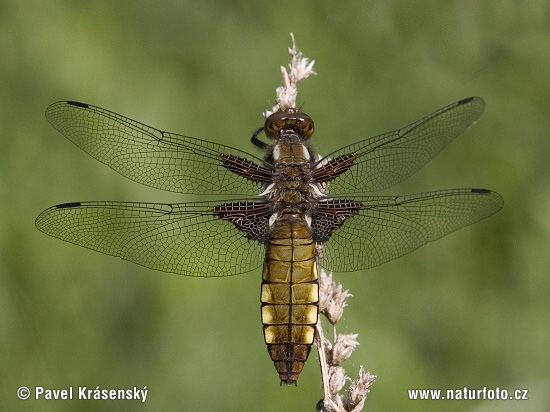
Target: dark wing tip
(68, 205)
(77, 104)
(481, 191)
(498, 200)
(43, 221)
(52, 107)
(466, 100)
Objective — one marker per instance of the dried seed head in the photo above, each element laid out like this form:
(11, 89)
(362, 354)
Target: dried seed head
(337, 304)
(337, 379)
(344, 345)
(357, 392)
(326, 288)
(329, 405)
(332, 299)
(300, 68)
(327, 345)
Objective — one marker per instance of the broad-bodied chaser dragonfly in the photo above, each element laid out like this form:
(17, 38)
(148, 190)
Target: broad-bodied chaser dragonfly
(296, 209)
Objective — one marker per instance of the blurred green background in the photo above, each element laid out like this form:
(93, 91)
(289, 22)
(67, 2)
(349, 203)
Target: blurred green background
(469, 310)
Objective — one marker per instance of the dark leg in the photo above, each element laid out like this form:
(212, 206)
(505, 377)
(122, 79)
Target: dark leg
(257, 142)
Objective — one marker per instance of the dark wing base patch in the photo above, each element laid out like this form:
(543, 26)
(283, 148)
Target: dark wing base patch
(332, 214)
(249, 217)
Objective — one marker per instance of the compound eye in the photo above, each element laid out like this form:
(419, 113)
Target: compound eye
(273, 125)
(306, 127)
(289, 119)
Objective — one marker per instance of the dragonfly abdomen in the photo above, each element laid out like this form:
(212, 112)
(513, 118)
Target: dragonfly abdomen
(290, 294)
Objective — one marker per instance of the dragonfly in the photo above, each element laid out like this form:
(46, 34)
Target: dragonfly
(289, 211)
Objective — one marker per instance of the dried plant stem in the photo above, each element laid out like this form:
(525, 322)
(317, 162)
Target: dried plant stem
(319, 339)
(331, 296)
(332, 301)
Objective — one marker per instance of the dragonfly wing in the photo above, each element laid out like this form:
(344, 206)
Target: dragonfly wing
(186, 238)
(376, 229)
(382, 161)
(163, 160)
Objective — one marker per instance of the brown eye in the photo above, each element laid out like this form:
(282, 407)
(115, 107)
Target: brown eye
(289, 119)
(306, 126)
(273, 124)
(278, 125)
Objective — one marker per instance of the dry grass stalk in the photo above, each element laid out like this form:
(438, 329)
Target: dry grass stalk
(332, 299)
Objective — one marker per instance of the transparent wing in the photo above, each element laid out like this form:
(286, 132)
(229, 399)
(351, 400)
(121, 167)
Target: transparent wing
(384, 160)
(184, 238)
(150, 156)
(386, 227)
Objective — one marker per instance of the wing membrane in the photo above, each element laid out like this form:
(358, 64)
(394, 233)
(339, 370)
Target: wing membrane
(184, 238)
(387, 227)
(382, 161)
(150, 156)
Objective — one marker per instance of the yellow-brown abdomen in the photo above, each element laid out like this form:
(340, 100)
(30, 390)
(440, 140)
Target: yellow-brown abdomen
(290, 295)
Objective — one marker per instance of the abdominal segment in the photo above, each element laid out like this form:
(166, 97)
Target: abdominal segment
(290, 295)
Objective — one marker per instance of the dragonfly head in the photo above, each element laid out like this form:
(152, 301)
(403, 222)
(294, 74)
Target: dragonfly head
(292, 119)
